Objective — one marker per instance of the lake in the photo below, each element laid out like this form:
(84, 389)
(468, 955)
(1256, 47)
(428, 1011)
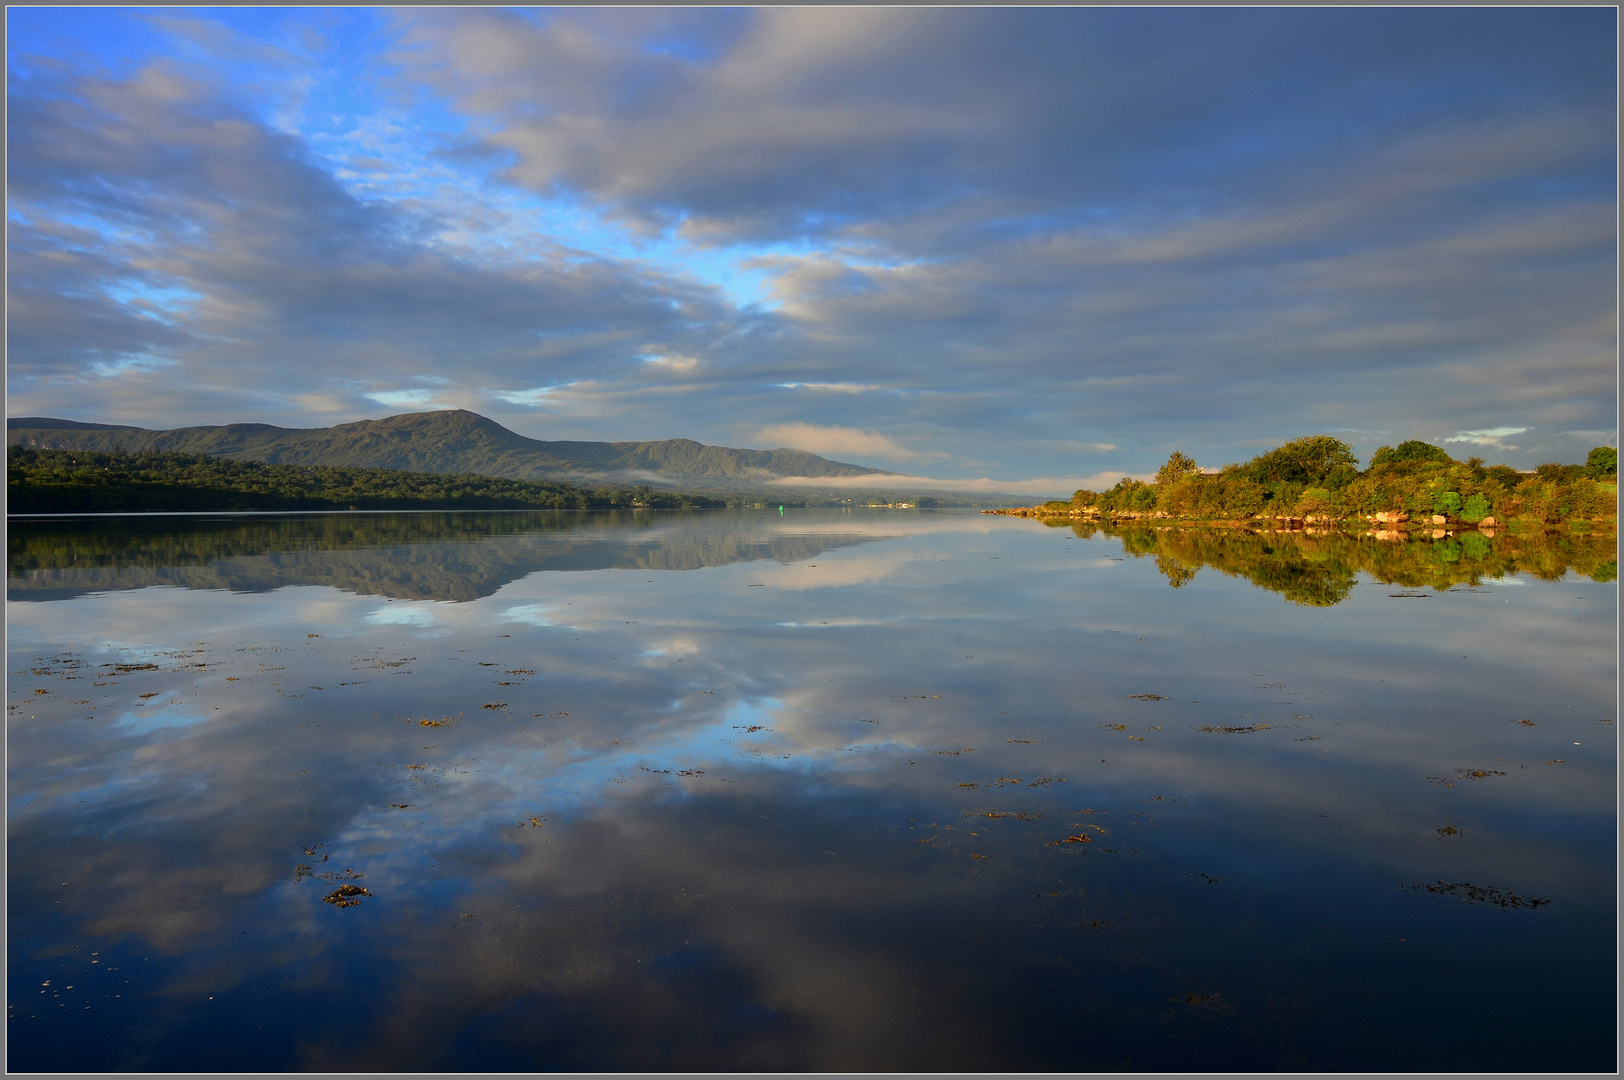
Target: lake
(831, 790)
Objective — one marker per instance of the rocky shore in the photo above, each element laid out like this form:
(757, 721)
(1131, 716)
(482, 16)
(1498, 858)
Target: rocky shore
(1388, 524)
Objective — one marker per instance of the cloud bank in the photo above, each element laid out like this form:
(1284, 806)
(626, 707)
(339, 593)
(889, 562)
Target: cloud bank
(1004, 242)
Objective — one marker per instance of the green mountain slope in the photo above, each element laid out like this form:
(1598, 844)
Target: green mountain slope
(453, 441)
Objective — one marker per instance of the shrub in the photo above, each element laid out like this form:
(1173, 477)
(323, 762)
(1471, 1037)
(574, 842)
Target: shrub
(1602, 464)
(1446, 502)
(1315, 500)
(1474, 509)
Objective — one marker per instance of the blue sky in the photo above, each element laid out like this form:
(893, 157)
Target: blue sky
(1040, 247)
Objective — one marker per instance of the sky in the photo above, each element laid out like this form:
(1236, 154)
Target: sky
(1030, 249)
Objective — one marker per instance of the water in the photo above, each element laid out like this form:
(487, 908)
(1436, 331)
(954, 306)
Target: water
(896, 790)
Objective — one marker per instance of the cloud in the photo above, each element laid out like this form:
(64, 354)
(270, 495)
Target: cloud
(1002, 241)
(1487, 437)
(412, 399)
(681, 364)
(1056, 486)
(832, 387)
(841, 442)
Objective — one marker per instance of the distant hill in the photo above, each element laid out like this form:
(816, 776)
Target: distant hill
(452, 441)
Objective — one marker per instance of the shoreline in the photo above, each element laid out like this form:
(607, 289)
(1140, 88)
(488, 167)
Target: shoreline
(1393, 525)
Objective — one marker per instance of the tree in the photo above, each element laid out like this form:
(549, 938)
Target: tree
(1410, 450)
(1179, 465)
(1314, 460)
(1602, 464)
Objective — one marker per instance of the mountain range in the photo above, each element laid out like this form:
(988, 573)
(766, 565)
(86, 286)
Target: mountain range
(455, 441)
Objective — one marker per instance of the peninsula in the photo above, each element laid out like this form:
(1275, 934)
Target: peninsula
(1315, 482)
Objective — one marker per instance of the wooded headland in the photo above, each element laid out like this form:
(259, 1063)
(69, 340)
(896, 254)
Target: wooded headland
(1316, 481)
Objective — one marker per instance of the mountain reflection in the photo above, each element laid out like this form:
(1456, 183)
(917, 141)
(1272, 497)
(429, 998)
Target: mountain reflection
(437, 556)
(1320, 569)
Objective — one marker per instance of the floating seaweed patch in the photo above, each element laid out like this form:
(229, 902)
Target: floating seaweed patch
(749, 729)
(1528, 723)
(1467, 893)
(955, 753)
(1113, 727)
(1146, 697)
(1044, 781)
(1234, 730)
(1480, 774)
(692, 772)
(346, 896)
(1214, 1002)
(1200, 876)
(519, 671)
(1018, 815)
(494, 705)
(1447, 829)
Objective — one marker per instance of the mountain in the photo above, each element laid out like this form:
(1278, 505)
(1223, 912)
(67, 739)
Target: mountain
(452, 441)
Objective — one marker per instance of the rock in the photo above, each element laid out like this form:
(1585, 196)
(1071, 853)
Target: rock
(1438, 519)
(1487, 521)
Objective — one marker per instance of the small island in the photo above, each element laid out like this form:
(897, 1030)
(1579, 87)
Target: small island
(1315, 483)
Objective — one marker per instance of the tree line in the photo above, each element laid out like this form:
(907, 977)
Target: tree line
(1319, 476)
(77, 481)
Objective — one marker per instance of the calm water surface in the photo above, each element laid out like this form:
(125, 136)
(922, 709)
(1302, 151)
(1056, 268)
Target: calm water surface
(837, 790)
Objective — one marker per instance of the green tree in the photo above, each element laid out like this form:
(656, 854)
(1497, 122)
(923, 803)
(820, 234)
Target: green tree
(1314, 461)
(1410, 450)
(1602, 464)
(1179, 465)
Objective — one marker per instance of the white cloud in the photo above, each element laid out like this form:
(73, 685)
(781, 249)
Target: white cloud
(673, 363)
(404, 399)
(1487, 436)
(841, 442)
(1040, 485)
(532, 397)
(832, 387)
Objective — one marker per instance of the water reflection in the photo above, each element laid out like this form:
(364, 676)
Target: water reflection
(977, 795)
(1318, 568)
(430, 556)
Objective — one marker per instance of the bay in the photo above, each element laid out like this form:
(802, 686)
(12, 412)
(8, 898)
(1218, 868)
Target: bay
(829, 790)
